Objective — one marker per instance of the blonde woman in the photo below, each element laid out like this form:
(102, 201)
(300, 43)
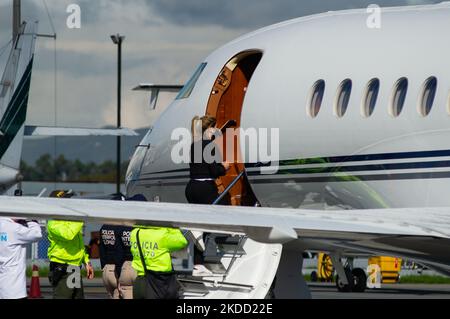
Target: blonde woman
(202, 188)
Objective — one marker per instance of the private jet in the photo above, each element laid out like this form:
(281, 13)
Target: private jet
(364, 153)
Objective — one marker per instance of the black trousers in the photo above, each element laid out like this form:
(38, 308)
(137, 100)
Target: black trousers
(205, 192)
(59, 279)
(198, 192)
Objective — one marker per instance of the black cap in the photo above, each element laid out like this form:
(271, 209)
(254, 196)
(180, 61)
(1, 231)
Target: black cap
(137, 198)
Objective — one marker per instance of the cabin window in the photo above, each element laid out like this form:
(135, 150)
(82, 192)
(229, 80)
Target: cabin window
(370, 97)
(316, 98)
(398, 97)
(189, 87)
(343, 97)
(428, 96)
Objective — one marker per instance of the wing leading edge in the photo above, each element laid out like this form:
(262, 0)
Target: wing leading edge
(421, 234)
(271, 225)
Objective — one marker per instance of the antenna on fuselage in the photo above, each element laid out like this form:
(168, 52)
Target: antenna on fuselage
(16, 18)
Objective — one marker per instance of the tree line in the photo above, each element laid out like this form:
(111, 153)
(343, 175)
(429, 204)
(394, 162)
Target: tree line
(45, 169)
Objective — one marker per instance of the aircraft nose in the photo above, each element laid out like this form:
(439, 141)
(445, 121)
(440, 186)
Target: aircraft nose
(9, 176)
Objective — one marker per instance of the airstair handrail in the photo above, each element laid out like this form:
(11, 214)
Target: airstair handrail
(233, 259)
(229, 187)
(205, 281)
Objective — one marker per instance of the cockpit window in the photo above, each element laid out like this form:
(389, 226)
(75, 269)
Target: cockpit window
(187, 89)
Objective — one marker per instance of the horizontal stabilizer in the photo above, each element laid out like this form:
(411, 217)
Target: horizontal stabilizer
(155, 89)
(74, 131)
(161, 87)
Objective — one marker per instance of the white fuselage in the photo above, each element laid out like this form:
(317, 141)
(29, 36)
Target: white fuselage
(344, 162)
(8, 177)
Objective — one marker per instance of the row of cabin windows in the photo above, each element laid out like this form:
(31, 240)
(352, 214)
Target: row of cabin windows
(372, 91)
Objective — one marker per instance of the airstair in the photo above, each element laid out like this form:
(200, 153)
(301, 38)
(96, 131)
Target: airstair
(239, 268)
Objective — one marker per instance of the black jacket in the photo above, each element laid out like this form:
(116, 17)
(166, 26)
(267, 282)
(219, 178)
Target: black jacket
(115, 246)
(200, 168)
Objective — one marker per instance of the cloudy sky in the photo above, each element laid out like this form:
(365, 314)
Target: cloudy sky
(165, 41)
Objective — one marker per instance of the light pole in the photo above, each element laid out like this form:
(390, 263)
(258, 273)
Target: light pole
(118, 39)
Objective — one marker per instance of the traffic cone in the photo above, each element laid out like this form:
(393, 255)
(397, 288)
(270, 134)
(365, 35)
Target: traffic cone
(35, 287)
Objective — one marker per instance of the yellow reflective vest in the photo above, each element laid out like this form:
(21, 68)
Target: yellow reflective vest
(157, 243)
(66, 243)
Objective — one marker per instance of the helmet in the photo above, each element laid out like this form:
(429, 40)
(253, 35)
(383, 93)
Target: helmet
(62, 194)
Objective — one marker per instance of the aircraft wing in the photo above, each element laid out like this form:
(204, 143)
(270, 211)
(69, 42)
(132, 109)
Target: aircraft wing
(74, 131)
(421, 234)
(272, 225)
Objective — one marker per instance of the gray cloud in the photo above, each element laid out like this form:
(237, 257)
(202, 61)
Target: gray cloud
(166, 39)
(255, 13)
(5, 20)
(30, 12)
(69, 63)
(28, 9)
(91, 9)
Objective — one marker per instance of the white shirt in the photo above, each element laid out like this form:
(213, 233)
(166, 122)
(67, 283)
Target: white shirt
(13, 240)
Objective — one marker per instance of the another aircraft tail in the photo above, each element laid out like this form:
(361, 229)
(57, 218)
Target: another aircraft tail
(14, 92)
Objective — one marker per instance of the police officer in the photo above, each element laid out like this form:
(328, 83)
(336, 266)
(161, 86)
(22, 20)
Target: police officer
(67, 254)
(115, 259)
(14, 236)
(151, 248)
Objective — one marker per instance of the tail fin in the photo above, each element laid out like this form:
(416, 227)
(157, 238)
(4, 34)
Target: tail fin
(14, 91)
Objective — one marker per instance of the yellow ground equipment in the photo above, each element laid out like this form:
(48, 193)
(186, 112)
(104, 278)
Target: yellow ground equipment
(390, 268)
(325, 270)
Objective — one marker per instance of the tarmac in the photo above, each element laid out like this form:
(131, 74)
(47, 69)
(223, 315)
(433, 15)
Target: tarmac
(94, 290)
(387, 291)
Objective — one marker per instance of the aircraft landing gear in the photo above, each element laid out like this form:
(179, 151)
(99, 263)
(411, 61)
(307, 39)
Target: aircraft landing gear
(357, 284)
(359, 280)
(344, 285)
(348, 279)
